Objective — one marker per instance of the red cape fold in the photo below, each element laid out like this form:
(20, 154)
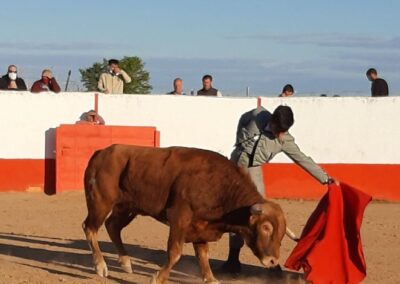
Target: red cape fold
(330, 249)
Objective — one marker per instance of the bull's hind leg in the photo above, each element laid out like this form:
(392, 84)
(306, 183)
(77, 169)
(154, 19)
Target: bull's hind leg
(201, 250)
(91, 226)
(120, 218)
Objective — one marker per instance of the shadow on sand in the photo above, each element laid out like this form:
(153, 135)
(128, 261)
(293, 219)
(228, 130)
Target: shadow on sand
(74, 255)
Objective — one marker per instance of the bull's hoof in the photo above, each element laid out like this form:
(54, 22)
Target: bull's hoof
(101, 269)
(125, 263)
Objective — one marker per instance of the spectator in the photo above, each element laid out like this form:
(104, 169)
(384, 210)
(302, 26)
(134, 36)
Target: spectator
(91, 117)
(379, 87)
(112, 82)
(47, 84)
(178, 87)
(208, 90)
(287, 91)
(11, 81)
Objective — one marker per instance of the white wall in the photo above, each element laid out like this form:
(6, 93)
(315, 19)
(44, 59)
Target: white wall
(25, 118)
(331, 130)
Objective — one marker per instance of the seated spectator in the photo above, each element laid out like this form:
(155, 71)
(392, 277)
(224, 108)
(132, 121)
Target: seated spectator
(11, 81)
(91, 117)
(47, 84)
(112, 82)
(178, 87)
(208, 90)
(287, 91)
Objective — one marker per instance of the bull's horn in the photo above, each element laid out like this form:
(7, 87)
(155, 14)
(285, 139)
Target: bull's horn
(256, 209)
(291, 235)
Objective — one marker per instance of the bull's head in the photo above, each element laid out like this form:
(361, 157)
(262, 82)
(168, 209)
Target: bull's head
(268, 226)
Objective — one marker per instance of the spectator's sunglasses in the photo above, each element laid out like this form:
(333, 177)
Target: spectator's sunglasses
(11, 71)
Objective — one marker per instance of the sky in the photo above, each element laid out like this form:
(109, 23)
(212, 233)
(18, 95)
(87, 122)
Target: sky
(318, 46)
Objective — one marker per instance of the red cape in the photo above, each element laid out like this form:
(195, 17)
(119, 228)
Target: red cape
(330, 249)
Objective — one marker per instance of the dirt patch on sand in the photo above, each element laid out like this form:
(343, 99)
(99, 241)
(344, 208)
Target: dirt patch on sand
(41, 241)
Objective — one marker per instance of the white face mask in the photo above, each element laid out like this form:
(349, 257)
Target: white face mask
(12, 76)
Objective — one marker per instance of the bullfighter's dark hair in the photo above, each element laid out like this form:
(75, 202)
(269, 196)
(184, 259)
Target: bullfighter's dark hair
(282, 119)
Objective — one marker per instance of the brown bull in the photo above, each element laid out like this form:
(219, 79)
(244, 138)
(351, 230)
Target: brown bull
(199, 194)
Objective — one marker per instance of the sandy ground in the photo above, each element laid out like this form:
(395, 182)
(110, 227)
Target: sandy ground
(41, 241)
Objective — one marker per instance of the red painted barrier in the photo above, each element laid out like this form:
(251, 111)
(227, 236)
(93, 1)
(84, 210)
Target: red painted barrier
(27, 175)
(382, 182)
(75, 144)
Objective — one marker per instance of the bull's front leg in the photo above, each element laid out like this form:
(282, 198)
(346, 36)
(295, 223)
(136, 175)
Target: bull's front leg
(201, 250)
(179, 222)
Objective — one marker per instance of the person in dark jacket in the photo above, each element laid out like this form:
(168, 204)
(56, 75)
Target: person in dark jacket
(379, 87)
(11, 81)
(47, 84)
(208, 90)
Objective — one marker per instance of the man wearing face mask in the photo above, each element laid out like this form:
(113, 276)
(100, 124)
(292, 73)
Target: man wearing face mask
(112, 82)
(47, 84)
(11, 81)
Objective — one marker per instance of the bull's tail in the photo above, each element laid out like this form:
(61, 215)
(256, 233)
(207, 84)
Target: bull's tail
(90, 171)
(89, 180)
(98, 201)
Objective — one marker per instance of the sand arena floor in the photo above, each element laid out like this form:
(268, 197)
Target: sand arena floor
(41, 241)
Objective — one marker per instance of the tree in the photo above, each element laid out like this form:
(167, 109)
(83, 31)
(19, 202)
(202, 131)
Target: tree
(132, 65)
(90, 76)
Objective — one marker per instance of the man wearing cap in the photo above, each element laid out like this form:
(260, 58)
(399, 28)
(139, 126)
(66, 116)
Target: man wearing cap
(259, 137)
(91, 117)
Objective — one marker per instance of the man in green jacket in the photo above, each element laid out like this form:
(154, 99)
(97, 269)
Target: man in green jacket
(260, 136)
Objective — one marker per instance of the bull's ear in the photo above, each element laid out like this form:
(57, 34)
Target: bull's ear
(256, 209)
(267, 228)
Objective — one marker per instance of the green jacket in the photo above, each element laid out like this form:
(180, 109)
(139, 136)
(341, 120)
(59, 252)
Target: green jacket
(256, 145)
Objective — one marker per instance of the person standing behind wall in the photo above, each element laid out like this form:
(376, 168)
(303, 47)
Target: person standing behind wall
(11, 81)
(178, 87)
(379, 87)
(112, 81)
(208, 90)
(287, 91)
(47, 84)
